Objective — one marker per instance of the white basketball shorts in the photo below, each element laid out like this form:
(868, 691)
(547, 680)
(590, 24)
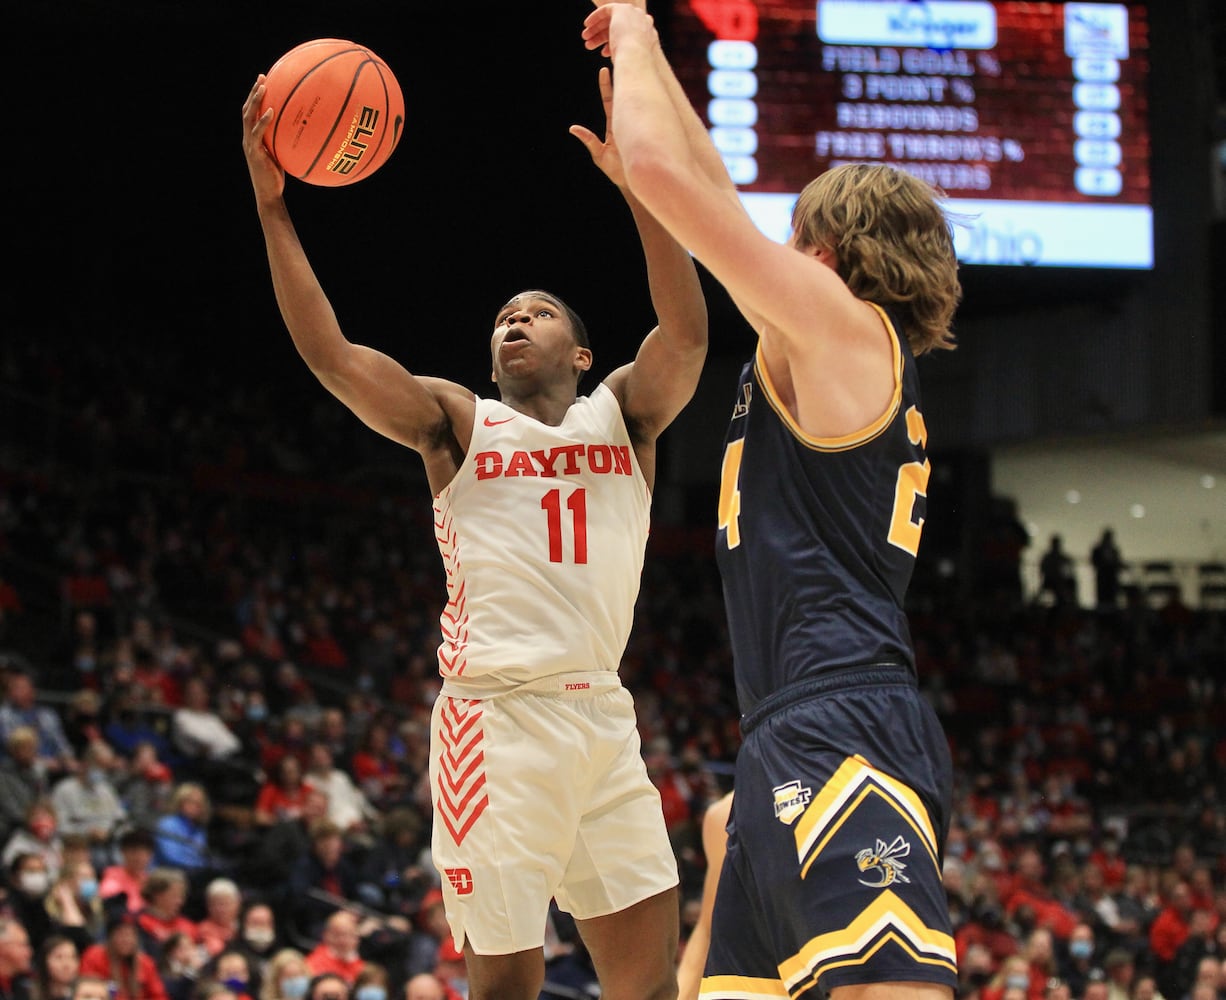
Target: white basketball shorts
(542, 794)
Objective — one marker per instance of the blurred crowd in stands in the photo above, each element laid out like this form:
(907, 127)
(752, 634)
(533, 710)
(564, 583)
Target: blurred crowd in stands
(218, 621)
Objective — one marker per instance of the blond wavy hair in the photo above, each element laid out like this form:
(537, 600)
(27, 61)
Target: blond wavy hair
(892, 241)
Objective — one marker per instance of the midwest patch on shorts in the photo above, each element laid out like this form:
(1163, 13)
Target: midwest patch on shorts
(542, 794)
(833, 870)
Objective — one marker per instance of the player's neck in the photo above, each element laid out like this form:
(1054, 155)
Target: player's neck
(545, 405)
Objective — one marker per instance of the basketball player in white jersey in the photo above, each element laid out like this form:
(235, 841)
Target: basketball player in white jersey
(542, 501)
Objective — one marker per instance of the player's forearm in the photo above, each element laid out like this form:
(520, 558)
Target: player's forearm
(672, 280)
(694, 129)
(645, 116)
(304, 307)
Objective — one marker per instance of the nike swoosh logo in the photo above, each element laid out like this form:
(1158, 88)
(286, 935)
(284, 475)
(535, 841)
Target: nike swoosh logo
(495, 423)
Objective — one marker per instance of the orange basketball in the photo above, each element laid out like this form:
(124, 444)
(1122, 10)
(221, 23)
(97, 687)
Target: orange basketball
(338, 112)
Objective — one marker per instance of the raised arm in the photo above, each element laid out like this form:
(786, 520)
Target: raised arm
(815, 333)
(664, 374)
(670, 167)
(691, 128)
(423, 414)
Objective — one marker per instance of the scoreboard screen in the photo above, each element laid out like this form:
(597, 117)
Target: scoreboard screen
(1032, 118)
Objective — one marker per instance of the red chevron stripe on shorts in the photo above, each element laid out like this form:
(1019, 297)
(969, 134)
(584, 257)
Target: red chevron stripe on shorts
(462, 797)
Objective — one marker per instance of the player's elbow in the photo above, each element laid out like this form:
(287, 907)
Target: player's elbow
(652, 176)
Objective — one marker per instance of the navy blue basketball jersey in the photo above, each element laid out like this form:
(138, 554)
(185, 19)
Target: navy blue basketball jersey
(817, 537)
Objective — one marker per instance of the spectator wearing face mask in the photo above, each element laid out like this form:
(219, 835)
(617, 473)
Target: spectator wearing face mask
(38, 834)
(74, 906)
(230, 968)
(1079, 960)
(258, 938)
(371, 983)
(286, 976)
(1013, 974)
(29, 883)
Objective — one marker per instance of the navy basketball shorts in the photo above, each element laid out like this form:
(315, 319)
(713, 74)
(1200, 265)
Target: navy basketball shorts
(832, 875)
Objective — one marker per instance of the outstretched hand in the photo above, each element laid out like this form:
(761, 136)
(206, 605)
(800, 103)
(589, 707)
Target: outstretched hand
(603, 152)
(267, 177)
(597, 26)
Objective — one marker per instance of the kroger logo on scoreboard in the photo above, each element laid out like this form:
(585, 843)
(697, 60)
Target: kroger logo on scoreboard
(937, 25)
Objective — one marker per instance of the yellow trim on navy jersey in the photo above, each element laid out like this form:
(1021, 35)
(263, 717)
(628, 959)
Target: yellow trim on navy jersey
(887, 919)
(854, 781)
(855, 438)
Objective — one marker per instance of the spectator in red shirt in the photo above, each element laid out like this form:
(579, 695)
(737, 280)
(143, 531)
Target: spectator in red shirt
(1170, 927)
(128, 877)
(164, 893)
(1040, 952)
(1063, 812)
(984, 799)
(281, 797)
(223, 901)
(261, 636)
(1200, 882)
(319, 646)
(291, 738)
(376, 769)
(986, 928)
(673, 790)
(83, 585)
(337, 951)
(120, 960)
(1012, 979)
(150, 676)
(1029, 890)
(1106, 858)
(452, 970)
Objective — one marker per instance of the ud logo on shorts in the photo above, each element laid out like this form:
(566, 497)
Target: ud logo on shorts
(883, 860)
(461, 880)
(790, 801)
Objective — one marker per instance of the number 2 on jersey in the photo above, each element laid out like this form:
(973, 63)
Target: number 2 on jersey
(576, 503)
(912, 482)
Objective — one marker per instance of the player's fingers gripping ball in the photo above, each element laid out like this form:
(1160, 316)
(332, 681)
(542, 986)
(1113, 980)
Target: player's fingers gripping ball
(338, 112)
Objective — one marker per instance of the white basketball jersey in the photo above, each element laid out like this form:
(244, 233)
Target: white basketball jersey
(542, 533)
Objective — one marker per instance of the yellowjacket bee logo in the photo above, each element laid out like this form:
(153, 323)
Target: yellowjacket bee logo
(884, 861)
(790, 801)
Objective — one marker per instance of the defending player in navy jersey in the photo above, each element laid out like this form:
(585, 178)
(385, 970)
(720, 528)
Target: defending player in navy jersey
(542, 503)
(831, 884)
